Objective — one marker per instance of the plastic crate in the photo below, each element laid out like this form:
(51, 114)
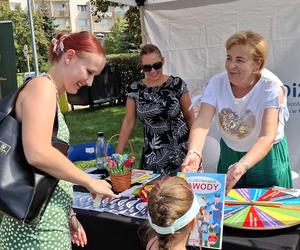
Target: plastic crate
(86, 151)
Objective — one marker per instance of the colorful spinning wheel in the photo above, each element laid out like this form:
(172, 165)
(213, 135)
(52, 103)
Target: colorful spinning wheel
(264, 209)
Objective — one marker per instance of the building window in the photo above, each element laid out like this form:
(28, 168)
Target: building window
(62, 23)
(104, 23)
(59, 6)
(120, 10)
(14, 5)
(82, 22)
(82, 8)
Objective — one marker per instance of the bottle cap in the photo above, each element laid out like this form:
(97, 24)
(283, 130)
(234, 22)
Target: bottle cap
(100, 134)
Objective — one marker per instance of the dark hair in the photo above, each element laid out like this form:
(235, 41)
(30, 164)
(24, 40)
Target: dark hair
(149, 49)
(169, 200)
(81, 42)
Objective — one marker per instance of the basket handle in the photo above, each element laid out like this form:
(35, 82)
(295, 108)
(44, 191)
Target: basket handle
(113, 136)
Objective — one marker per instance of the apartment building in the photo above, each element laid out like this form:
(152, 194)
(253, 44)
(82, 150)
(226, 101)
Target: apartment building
(75, 15)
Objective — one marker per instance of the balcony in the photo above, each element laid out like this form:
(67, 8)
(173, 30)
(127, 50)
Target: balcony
(61, 13)
(63, 28)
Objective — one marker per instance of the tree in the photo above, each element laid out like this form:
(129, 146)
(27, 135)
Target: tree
(44, 30)
(21, 31)
(22, 36)
(101, 7)
(132, 28)
(48, 21)
(113, 43)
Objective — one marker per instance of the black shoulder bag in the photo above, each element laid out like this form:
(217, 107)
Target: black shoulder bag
(24, 190)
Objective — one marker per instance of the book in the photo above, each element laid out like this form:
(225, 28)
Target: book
(139, 175)
(209, 189)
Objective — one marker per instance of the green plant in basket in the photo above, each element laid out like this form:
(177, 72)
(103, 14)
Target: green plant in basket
(119, 164)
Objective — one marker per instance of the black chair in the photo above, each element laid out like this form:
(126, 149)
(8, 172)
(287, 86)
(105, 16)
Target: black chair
(106, 88)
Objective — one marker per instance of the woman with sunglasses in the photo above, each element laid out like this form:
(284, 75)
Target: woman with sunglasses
(162, 103)
(251, 108)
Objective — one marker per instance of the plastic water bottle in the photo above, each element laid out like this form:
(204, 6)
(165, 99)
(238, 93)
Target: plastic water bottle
(100, 150)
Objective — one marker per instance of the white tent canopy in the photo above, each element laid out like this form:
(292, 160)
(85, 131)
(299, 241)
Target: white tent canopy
(192, 34)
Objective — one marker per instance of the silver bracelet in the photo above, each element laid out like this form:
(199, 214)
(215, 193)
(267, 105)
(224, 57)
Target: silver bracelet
(245, 165)
(71, 215)
(195, 151)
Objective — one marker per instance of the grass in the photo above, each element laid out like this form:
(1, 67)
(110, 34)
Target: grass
(20, 79)
(84, 125)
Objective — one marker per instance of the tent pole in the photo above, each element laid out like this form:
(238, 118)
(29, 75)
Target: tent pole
(143, 30)
(36, 66)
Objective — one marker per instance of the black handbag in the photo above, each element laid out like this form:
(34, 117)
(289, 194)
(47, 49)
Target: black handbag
(24, 189)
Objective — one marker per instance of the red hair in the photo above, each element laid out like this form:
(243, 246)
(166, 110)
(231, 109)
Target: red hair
(82, 41)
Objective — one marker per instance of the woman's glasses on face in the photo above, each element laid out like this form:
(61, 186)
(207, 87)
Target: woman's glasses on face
(155, 66)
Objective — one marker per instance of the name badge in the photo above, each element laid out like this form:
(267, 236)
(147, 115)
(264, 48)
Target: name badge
(4, 148)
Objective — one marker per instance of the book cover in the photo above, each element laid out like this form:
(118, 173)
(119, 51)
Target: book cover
(210, 191)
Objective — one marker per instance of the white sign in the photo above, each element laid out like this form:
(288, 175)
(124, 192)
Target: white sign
(25, 50)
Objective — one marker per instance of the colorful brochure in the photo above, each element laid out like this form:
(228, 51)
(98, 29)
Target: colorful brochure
(210, 191)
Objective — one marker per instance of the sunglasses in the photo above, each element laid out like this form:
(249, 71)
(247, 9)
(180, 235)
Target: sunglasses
(155, 66)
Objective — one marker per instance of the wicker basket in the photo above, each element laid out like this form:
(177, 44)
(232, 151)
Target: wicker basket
(110, 140)
(120, 182)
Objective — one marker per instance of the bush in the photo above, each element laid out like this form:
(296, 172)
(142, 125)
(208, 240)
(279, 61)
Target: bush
(128, 66)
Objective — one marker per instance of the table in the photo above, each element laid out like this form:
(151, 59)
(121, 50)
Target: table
(115, 232)
(107, 231)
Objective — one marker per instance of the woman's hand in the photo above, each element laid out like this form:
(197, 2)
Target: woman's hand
(234, 173)
(191, 162)
(102, 188)
(78, 235)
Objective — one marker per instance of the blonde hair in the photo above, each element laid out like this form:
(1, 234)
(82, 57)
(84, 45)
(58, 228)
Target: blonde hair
(254, 41)
(169, 200)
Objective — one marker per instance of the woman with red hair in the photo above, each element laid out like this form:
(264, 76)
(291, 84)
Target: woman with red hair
(75, 59)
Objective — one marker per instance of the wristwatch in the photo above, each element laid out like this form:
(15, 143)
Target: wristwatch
(195, 151)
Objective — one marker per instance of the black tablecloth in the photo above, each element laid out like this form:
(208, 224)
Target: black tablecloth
(109, 231)
(114, 232)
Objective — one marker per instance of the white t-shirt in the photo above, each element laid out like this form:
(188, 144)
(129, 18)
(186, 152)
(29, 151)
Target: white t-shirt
(239, 119)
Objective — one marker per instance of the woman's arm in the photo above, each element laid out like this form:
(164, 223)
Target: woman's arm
(36, 108)
(127, 125)
(185, 102)
(77, 232)
(197, 137)
(258, 151)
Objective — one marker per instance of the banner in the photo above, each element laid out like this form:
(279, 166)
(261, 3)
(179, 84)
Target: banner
(192, 36)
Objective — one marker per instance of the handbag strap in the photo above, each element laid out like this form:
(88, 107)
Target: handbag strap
(8, 103)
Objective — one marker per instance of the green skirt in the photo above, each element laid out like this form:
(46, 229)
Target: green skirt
(273, 170)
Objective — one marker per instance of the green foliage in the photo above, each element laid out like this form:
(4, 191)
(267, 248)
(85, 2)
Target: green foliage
(128, 66)
(131, 39)
(21, 31)
(43, 27)
(101, 7)
(48, 21)
(133, 27)
(42, 42)
(113, 43)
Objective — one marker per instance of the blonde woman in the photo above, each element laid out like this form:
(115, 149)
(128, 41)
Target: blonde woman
(251, 108)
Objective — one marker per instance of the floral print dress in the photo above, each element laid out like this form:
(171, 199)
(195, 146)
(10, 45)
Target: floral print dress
(165, 128)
